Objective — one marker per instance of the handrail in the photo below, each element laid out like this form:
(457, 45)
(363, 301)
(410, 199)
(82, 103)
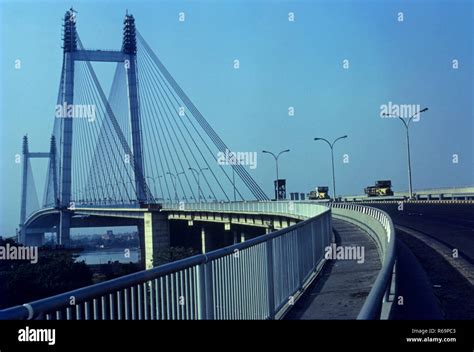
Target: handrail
(297, 209)
(254, 279)
(379, 301)
(271, 269)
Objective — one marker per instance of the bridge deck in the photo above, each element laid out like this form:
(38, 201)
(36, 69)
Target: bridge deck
(343, 285)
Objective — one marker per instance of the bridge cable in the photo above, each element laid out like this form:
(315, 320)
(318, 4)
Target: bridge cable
(161, 106)
(116, 126)
(158, 79)
(255, 189)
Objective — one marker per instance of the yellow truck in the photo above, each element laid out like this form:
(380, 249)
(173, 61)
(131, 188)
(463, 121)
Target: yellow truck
(321, 192)
(382, 188)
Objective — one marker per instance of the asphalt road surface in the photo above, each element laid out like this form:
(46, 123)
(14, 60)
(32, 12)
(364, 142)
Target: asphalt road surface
(441, 238)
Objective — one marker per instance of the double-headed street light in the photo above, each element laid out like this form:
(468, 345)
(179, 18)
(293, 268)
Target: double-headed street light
(407, 124)
(331, 145)
(198, 179)
(276, 164)
(174, 181)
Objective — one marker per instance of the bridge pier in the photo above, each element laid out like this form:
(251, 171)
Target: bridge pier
(203, 239)
(64, 233)
(154, 235)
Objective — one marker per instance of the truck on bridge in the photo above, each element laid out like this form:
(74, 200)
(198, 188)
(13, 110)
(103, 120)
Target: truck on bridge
(321, 192)
(381, 188)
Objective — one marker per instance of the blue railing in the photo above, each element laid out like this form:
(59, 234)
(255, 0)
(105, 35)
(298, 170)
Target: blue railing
(256, 279)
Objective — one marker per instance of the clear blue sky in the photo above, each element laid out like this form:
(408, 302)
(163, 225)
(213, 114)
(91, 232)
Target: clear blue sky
(283, 64)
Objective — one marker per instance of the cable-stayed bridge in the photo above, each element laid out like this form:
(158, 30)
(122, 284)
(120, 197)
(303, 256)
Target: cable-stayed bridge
(146, 143)
(144, 156)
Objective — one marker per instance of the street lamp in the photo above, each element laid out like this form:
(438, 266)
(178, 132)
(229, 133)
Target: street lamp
(154, 184)
(331, 145)
(174, 183)
(199, 185)
(407, 124)
(276, 164)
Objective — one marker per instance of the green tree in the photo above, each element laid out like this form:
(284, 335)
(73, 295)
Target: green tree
(55, 272)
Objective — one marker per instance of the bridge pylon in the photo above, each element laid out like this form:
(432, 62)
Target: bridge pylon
(37, 237)
(129, 48)
(73, 52)
(69, 48)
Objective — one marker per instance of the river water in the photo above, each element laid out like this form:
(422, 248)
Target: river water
(103, 256)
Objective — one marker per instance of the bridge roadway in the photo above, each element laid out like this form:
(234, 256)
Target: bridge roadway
(430, 232)
(343, 285)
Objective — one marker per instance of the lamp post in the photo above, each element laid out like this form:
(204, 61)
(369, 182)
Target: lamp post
(331, 145)
(174, 183)
(276, 164)
(198, 179)
(154, 184)
(407, 125)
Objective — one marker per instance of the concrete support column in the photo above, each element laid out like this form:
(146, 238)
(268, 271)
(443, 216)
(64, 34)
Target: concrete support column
(135, 128)
(64, 227)
(156, 236)
(66, 155)
(242, 236)
(203, 240)
(141, 243)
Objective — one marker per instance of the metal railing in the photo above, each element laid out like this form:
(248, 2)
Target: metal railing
(300, 210)
(256, 279)
(379, 226)
(434, 194)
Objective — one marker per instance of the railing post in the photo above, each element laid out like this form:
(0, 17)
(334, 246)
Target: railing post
(201, 292)
(270, 280)
(205, 301)
(209, 290)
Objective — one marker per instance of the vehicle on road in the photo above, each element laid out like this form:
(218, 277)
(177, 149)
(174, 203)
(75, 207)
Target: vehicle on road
(321, 192)
(382, 188)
